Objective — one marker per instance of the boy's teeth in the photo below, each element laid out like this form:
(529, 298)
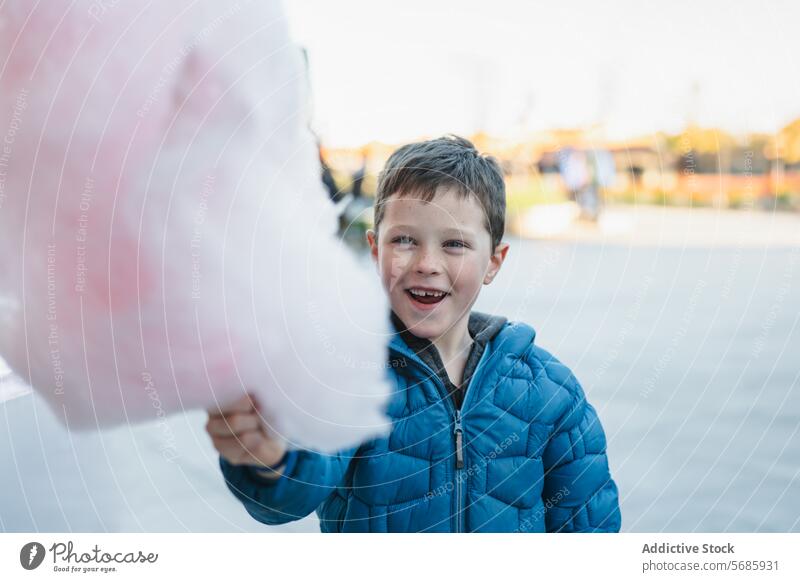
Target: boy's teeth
(421, 293)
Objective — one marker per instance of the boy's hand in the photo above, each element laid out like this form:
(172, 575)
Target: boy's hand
(239, 435)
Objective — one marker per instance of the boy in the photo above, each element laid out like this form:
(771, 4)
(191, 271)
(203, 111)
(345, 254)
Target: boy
(490, 432)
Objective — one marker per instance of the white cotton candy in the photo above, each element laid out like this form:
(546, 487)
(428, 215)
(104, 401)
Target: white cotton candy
(165, 242)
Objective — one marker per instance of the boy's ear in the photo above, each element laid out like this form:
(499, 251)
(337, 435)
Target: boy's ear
(372, 239)
(495, 262)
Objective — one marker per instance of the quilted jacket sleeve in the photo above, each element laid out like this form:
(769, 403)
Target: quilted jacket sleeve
(307, 480)
(579, 494)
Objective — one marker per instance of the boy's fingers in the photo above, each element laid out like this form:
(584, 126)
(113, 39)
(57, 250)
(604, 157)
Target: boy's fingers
(232, 424)
(252, 441)
(229, 447)
(241, 449)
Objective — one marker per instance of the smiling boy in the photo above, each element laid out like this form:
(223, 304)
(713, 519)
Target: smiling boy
(490, 433)
(438, 246)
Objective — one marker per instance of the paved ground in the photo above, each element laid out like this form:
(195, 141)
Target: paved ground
(665, 227)
(682, 327)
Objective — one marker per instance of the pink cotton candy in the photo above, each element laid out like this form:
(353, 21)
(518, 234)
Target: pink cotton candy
(165, 242)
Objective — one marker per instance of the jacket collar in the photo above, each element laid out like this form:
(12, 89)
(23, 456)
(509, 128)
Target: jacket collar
(482, 327)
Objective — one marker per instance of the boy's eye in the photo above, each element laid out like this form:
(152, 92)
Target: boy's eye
(456, 244)
(403, 240)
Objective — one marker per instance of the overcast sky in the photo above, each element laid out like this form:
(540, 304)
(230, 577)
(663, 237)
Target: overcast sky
(396, 70)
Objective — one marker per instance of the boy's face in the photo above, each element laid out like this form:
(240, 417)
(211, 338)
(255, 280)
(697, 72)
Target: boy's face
(433, 258)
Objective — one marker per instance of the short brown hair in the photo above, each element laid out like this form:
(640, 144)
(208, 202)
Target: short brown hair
(420, 168)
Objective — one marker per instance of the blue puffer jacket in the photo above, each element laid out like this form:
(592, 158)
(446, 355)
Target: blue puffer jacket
(526, 453)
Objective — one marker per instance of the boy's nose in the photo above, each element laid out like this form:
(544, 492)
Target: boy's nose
(427, 263)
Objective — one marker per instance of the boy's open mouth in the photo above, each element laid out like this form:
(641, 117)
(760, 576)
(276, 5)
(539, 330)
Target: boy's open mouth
(426, 296)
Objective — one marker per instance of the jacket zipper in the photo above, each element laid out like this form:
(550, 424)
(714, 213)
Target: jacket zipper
(458, 431)
(459, 437)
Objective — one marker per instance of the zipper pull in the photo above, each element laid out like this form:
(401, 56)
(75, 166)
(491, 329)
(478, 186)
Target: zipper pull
(458, 432)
